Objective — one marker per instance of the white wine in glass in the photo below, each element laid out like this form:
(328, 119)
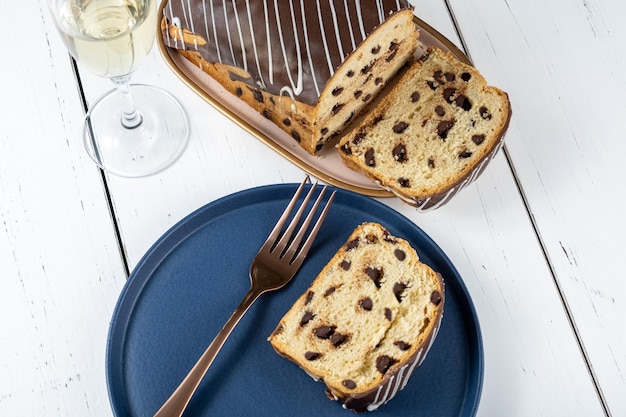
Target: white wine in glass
(134, 130)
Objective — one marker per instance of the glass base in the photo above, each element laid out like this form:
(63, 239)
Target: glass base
(144, 150)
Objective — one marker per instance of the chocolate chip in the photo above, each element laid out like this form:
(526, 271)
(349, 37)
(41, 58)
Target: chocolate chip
(354, 243)
(375, 274)
(465, 154)
(309, 297)
(336, 91)
(444, 127)
(431, 85)
(358, 138)
(258, 96)
(484, 113)
(376, 49)
(324, 332)
(349, 119)
(404, 182)
(448, 93)
(391, 56)
(337, 339)
(463, 102)
(366, 98)
(431, 163)
(383, 363)
(319, 146)
(337, 108)
(398, 290)
(388, 314)
(311, 356)
(378, 80)
(287, 122)
(449, 76)
(345, 148)
(366, 303)
(399, 153)
(466, 76)
(367, 68)
(393, 46)
(439, 111)
(307, 317)
(400, 254)
(402, 345)
(358, 93)
(348, 383)
(370, 160)
(324, 130)
(350, 73)
(239, 91)
(415, 96)
(400, 127)
(478, 139)
(438, 76)
(295, 135)
(329, 291)
(435, 297)
(345, 265)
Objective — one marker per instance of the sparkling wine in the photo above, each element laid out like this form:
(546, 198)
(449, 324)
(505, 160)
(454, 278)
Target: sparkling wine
(109, 37)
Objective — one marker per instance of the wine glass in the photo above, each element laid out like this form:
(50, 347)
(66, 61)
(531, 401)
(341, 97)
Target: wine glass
(133, 130)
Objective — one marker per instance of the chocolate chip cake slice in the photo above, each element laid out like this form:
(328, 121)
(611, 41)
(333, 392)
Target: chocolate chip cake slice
(433, 134)
(367, 321)
(308, 66)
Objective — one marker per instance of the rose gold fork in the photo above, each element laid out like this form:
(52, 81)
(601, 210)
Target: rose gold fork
(273, 267)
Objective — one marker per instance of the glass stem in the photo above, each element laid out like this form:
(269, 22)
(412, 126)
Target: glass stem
(131, 117)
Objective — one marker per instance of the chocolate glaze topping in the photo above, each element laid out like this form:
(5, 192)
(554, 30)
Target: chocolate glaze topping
(289, 47)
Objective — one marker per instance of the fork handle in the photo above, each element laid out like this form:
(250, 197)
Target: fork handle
(177, 402)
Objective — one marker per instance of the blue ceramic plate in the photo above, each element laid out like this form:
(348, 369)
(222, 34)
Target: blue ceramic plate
(185, 287)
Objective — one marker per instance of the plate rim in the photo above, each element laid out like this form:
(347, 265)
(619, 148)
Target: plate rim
(224, 205)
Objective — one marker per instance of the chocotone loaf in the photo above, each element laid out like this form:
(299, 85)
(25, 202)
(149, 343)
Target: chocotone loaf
(309, 66)
(367, 321)
(432, 134)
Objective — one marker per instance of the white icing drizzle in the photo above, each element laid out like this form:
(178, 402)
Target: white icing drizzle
(323, 31)
(358, 12)
(381, 10)
(206, 23)
(333, 12)
(296, 88)
(412, 368)
(254, 49)
(217, 46)
(308, 48)
(270, 60)
(228, 36)
(241, 42)
(345, 5)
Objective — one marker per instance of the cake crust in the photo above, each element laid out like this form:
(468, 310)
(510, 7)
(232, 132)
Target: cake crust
(367, 320)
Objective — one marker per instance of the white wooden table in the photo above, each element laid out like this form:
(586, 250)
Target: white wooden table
(538, 239)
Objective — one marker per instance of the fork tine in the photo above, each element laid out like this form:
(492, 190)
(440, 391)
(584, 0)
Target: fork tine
(299, 257)
(275, 233)
(284, 240)
(295, 242)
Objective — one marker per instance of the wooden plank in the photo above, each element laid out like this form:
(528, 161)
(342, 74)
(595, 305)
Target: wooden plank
(563, 64)
(60, 267)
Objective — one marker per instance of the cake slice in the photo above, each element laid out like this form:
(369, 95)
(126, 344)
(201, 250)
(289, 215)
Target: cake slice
(311, 67)
(367, 321)
(432, 134)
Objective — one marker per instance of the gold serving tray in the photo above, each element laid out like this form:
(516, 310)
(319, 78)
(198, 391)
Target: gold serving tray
(327, 165)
